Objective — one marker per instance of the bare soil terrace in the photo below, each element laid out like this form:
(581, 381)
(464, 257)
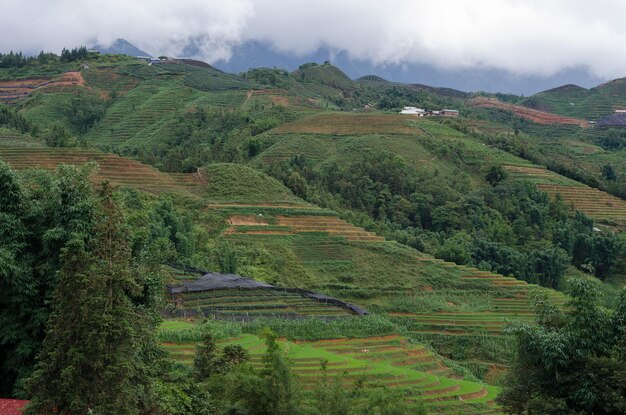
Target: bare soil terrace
(536, 116)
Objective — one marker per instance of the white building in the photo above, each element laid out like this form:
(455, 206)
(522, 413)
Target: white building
(420, 112)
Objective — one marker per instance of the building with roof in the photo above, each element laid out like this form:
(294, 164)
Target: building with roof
(12, 406)
(449, 113)
(618, 119)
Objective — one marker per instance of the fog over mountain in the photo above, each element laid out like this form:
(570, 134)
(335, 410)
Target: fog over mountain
(255, 54)
(484, 44)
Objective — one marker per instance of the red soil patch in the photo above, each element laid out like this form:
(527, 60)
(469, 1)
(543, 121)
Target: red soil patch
(280, 100)
(539, 117)
(23, 82)
(21, 88)
(68, 79)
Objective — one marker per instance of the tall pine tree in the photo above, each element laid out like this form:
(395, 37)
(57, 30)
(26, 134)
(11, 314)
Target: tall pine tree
(93, 357)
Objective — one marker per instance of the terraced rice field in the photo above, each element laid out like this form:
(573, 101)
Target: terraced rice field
(517, 305)
(592, 202)
(108, 80)
(293, 225)
(351, 124)
(540, 175)
(117, 170)
(245, 305)
(390, 361)
(16, 89)
(142, 112)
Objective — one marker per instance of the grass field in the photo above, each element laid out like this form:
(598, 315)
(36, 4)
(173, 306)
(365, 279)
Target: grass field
(236, 183)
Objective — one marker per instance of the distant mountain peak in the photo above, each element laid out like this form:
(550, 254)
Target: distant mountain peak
(121, 47)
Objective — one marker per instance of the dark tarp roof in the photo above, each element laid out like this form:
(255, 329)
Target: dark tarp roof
(614, 120)
(215, 281)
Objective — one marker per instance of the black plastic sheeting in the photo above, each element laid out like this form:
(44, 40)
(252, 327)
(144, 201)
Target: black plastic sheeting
(614, 120)
(213, 281)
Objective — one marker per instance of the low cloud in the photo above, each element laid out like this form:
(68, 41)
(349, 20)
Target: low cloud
(526, 37)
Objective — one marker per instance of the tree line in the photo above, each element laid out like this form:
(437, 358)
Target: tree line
(20, 60)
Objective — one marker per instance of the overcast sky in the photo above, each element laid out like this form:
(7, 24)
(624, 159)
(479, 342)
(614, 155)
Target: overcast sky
(524, 36)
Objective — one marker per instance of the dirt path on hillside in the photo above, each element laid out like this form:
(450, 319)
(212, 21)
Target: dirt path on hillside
(536, 116)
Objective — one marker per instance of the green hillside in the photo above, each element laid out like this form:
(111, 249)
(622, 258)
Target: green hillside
(234, 183)
(446, 231)
(575, 101)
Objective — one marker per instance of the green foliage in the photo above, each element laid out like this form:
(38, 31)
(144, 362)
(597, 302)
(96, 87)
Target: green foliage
(93, 357)
(570, 362)
(238, 183)
(39, 218)
(597, 253)
(510, 228)
(59, 136)
(19, 60)
(608, 172)
(14, 120)
(495, 175)
(84, 111)
(205, 359)
(273, 77)
(331, 397)
(315, 329)
(227, 259)
(74, 54)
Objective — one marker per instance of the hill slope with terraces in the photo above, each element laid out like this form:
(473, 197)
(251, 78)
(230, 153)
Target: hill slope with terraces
(534, 115)
(391, 361)
(574, 101)
(119, 171)
(595, 203)
(282, 232)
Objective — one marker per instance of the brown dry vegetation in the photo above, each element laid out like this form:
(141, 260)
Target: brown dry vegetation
(350, 124)
(539, 117)
(117, 170)
(11, 90)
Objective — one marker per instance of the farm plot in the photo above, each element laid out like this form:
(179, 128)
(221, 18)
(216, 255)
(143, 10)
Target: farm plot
(592, 202)
(245, 305)
(536, 116)
(139, 114)
(388, 361)
(292, 225)
(108, 81)
(351, 124)
(595, 203)
(539, 175)
(118, 170)
(510, 301)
